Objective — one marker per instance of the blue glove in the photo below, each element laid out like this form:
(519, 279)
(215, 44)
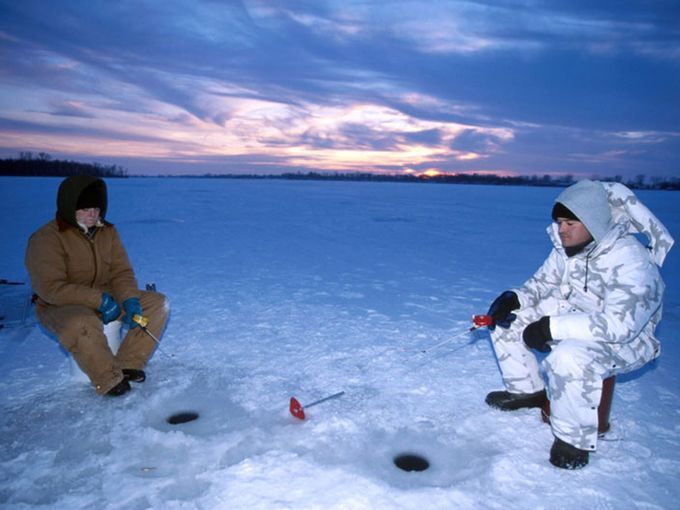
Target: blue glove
(500, 310)
(132, 307)
(537, 335)
(108, 308)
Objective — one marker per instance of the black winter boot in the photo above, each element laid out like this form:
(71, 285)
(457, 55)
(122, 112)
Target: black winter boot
(506, 401)
(119, 389)
(134, 375)
(565, 456)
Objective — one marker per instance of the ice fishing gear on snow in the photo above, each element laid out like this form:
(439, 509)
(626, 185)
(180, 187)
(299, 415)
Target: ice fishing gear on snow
(478, 321)
(501, 309)
(298, 410)
(482, 320)
(143, 322)
(137, 319)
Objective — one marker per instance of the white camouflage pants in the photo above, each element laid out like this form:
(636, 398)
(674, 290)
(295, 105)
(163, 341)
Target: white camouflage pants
(574, 370)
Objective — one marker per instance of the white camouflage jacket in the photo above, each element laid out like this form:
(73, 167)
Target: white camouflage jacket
(612, 291)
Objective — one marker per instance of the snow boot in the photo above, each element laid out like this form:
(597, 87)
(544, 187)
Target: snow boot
(565, 456)
(506, 401)
(134, 375)
(119, 389)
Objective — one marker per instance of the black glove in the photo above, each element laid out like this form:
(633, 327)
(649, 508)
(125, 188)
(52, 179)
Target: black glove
(537, 335)
(501, 307)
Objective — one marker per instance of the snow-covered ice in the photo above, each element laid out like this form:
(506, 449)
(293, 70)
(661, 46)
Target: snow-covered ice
(305, 289)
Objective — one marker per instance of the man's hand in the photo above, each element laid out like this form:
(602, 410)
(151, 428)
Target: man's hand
(537, 335)
(500, 310)
(108, 308)
(132, 307)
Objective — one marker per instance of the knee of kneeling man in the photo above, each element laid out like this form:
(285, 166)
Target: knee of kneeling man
(158, 301)
(165, 302)
(154, 298)
(563, 362)
(83, 325)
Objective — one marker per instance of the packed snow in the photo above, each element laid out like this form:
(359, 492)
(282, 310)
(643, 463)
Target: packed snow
(306, 289)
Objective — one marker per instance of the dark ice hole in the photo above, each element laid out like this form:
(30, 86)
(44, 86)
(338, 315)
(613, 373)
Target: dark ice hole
(183, 417)
(411, 462)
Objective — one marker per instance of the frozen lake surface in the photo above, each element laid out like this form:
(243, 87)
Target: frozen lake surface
(306, 289)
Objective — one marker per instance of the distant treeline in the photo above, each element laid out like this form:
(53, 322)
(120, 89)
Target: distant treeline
(639, 182)
(42, 165)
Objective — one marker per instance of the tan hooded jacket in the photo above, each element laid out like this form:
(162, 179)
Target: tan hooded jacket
(68, 267)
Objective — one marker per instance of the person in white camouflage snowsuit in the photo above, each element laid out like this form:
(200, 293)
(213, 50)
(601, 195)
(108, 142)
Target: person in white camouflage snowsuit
(593, 306)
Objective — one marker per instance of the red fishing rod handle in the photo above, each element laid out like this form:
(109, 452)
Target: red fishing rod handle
(481, 321)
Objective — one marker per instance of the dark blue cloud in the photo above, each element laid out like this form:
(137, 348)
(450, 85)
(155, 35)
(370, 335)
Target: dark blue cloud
(537, 68)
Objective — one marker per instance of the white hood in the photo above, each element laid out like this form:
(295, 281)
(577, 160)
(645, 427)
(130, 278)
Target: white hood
(626, 207)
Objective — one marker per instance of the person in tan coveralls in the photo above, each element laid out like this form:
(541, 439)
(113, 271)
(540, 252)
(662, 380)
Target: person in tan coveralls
(83, 279)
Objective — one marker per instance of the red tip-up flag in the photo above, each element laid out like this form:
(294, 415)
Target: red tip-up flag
(298, 411)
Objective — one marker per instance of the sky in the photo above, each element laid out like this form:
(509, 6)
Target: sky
(514, 87)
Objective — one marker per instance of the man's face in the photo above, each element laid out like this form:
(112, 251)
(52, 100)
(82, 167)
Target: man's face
(87, 217)
(572, 232)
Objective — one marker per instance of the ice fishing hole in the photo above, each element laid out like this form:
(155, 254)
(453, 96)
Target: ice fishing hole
(411, 462)
(183, 417)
